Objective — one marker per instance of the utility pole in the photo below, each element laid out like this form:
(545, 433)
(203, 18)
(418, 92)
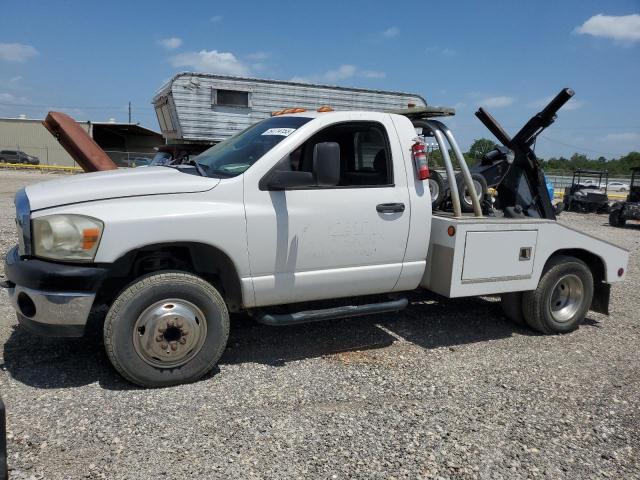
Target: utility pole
(129, 112)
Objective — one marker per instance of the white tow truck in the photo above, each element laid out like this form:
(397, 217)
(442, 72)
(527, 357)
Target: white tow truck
(301, 207)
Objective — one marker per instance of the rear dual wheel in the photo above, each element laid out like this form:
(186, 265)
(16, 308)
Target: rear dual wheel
(561, 300)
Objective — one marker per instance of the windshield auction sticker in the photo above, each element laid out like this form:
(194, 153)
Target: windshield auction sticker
(283, 132)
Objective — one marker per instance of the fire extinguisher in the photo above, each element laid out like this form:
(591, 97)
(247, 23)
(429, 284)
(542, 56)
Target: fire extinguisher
(420, 160)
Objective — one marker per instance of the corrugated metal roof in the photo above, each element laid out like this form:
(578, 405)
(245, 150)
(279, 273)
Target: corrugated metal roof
(167, 84)
(196, 117)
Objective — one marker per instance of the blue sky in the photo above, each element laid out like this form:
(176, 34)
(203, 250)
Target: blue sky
(90, 58)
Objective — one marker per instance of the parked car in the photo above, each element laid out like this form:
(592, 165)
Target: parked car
(18, 156)
(618, 187)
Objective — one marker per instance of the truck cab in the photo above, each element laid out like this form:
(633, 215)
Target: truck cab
(301, 207)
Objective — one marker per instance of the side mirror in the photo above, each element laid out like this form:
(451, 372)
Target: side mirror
(326, 164)
(282, 180)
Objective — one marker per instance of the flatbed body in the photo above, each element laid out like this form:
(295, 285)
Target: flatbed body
(495, 255)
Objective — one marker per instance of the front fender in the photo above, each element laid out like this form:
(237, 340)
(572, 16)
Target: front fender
(215, 217)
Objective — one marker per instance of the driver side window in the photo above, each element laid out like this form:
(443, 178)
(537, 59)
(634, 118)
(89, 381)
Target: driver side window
(365, 156)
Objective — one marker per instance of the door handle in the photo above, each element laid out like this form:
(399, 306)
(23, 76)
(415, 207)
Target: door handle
(390, 207)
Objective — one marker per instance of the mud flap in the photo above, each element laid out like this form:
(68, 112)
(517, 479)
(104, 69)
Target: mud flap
(601, 295)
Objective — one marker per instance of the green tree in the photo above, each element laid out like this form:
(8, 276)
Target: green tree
(479, 147)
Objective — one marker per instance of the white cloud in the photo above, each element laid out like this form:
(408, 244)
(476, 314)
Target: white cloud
(623, 137)
(341, 73)
(496, 102)
(391, 32)
(373, 74)
(171, 43)
(210, 61)
(12, 99)
(624, 28)
(299, 79)
(216, 18)
(573, 104)
(16, 52)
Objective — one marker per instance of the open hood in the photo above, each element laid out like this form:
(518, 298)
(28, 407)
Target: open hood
(116, 184)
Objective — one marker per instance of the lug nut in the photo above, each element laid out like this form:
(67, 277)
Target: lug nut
(174, 346)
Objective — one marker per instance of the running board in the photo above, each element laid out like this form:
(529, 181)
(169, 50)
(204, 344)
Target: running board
(308, 316)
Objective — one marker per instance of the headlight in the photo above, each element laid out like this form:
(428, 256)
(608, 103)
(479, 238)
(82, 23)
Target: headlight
(73, 238)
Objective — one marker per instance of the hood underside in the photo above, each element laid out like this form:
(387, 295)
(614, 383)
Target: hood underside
(134, 182)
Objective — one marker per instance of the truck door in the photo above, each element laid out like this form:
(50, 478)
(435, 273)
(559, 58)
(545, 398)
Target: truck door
(317, 243)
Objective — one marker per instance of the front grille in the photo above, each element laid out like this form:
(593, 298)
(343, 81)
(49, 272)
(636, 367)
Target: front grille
(23, 222)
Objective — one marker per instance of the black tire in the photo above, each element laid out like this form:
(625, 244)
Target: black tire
(147, 293)
(436, 189)
(512, 307)
(564, 276)
(480, 184)
(616, 219)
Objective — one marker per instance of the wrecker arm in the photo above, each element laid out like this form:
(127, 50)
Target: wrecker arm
(524, 184)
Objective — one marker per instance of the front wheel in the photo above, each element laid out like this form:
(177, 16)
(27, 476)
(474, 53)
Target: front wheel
(562, 298)
(166, 329)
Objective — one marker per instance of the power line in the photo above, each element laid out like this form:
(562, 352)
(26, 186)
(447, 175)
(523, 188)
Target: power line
(584, 149)
(79, 107)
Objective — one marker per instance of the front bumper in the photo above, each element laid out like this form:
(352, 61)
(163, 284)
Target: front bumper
(51, 314)
(50, 298)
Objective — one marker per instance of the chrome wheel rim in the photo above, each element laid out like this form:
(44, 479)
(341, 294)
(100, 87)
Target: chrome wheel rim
(566, 298)
(434, 188)
(169, 333)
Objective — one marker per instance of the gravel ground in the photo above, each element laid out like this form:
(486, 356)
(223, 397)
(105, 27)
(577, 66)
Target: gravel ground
(445, 389)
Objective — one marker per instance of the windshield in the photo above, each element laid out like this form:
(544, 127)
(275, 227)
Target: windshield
(236, 154)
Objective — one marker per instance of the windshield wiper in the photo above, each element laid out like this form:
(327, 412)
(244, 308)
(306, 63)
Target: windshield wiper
(199, 168)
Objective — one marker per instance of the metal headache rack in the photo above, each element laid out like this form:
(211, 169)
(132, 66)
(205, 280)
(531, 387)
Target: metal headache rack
(441, 132)
(421, 117)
